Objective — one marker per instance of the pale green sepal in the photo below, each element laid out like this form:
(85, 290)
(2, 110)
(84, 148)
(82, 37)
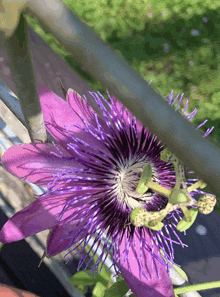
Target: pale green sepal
(146, 176)
(183, 224)
(99, 290)
(118, 289)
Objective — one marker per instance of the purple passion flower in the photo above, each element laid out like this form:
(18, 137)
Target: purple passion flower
(91, 176)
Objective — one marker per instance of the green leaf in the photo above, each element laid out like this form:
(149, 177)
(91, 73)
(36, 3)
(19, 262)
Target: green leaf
(106, 275)
(82, 278)
(118, 289)
(1, 245)
(119, 277)
(99, 290)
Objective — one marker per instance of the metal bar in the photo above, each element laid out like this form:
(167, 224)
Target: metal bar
(11, 101)
(20, 62)
(104, 65)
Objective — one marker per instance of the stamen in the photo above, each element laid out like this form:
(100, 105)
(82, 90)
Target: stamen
(186, 213)
(145, 177)
(184, 224)
(141, 217)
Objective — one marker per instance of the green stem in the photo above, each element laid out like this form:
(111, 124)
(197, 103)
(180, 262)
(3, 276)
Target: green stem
(197, 287)
(186, 213)
(158, 189)
(198, 184)
(178, 177)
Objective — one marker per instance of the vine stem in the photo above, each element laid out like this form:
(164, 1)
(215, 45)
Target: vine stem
(198, 287)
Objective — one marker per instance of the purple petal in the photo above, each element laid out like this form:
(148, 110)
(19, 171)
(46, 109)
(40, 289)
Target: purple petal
(156, 286)
(125, 116)
(57, 242)
(40, 215)
(36, 163)
(61, 120)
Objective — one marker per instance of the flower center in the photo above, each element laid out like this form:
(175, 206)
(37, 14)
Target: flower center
(126, 179)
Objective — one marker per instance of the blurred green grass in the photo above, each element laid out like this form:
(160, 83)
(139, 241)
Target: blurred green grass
(174, 42)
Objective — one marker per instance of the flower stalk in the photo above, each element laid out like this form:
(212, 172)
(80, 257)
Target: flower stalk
(197, 287)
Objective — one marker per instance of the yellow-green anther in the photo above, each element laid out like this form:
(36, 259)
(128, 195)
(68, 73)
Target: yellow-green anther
(141, 217)
(157, 221)
(183, 224)
(164, 155)
(157, 227)
(167, 156)
(145, 178)
(202, 184)
(178, 196)
(136, 220)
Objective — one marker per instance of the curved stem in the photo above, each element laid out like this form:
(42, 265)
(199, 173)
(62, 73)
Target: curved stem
(198, 287)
